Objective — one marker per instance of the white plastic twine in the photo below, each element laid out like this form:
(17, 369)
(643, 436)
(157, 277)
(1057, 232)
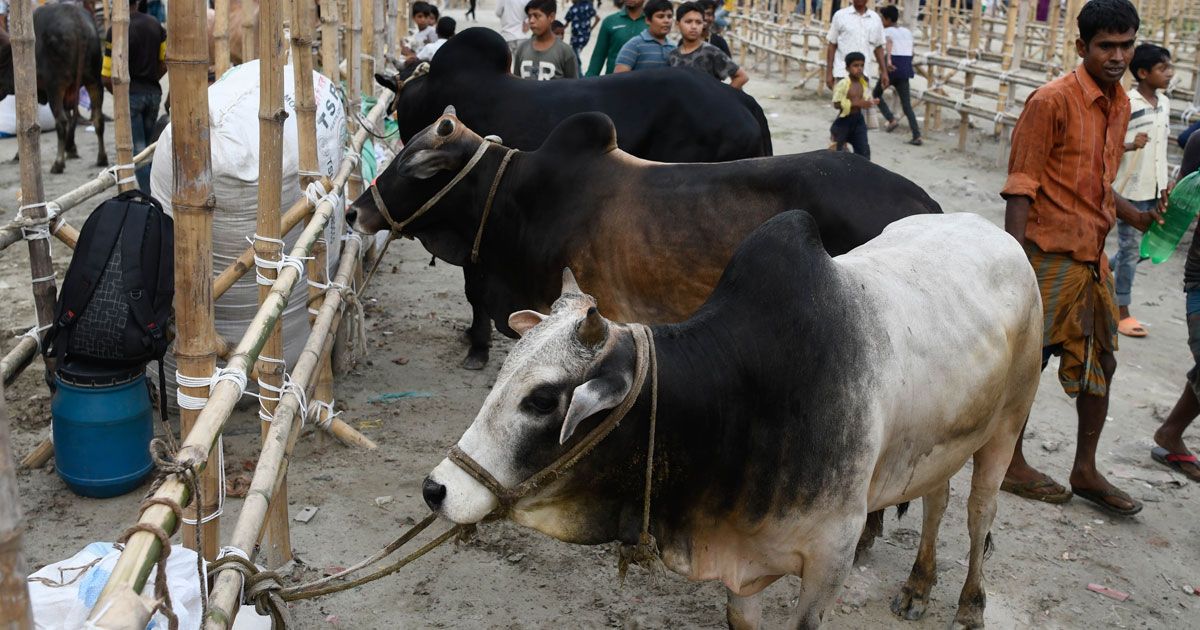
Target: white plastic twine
(1187, 114)
(220, 488)
(295, 262)
(35, 333)
(230, 550)
(37, 229)
(276, 393)
(324, 420)
(132, 178)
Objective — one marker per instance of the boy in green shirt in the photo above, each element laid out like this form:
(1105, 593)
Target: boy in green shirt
(615, 30)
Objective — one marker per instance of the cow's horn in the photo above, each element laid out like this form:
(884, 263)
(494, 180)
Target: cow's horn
(593, 330)
(568, 283)
(449, 111)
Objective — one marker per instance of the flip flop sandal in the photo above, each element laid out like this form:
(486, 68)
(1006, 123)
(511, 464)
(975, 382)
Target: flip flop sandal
(1099, 497)
(892, 126)
(1174, 461)
(1131, 327)
(1028, 490)
(916, 142)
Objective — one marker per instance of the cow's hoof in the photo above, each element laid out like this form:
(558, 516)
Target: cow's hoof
(102, 162)
(475, 360)
(970, 613)
(57, 168)
(72, 155)
(909, 604)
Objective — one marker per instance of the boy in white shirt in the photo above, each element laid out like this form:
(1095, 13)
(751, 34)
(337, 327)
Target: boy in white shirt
(1142, 178)
(445, 30)
(898, 48)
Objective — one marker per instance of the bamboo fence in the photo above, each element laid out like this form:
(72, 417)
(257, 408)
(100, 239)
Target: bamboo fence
(977, 68)
(120, 90)
(16, 612)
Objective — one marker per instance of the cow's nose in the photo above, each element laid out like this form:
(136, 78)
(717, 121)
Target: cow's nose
(434, 493)
(351, 215)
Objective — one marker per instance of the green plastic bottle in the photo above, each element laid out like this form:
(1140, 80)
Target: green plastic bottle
(1160, 240)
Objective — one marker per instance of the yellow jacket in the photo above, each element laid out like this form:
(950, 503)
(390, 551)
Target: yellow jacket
(841, 93)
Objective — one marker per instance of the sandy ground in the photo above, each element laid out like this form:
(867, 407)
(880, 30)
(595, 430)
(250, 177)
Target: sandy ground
(508, 577)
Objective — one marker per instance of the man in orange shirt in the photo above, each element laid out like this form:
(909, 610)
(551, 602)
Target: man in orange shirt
(1060, 206)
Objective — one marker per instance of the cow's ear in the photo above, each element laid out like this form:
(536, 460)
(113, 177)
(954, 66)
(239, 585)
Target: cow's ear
(389, 81)
(522, 321)
(426, 163)
(605, 391)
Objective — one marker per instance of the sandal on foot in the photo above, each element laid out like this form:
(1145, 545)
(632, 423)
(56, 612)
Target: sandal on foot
(892, 126)
(1100, 498)
(1131, 327)
(1175, 462)
(1033, 490)
(916, 142)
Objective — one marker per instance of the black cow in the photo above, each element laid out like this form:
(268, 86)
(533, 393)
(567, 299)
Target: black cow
(649, 239)
(664, 115)
(68, 57)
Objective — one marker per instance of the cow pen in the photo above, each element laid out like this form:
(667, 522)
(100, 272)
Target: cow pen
(974, 68)
(207, 395)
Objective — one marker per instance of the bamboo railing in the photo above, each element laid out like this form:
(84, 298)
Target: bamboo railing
(16, 612)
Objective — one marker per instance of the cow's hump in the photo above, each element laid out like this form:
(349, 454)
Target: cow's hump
(586, 132)
(477, 49)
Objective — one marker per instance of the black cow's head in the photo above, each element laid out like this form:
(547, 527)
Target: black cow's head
(566, 368)
(428, 162)
(6, 65)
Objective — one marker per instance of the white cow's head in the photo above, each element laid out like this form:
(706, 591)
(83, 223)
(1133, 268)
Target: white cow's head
(565, 368)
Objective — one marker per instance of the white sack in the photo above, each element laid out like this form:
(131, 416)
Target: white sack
(233, 110)
(8, 117)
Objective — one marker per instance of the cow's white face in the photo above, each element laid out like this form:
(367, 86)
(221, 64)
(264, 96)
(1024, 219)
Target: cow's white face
(551, 382)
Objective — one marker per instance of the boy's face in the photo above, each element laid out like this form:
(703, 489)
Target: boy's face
(423, 19)
(1159, 77)
(855, 69)
(560, 30)
(691, 26)
(886, 22)
(710, 14)
(660, 24)
(539, 23)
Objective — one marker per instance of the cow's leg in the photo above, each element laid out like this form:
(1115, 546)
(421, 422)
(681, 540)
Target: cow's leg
(825, 569)
(479, 335)
(96, 93)
(72, 152)
(60, 129)
(743, 613)
(910, 603)
(872, 530)
(991, 462)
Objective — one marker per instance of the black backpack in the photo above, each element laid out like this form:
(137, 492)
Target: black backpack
(115, 304)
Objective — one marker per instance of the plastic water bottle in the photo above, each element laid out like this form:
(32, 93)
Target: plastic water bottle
(1160, 241)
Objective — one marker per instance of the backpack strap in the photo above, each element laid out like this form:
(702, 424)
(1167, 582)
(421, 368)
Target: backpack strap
(137, 294)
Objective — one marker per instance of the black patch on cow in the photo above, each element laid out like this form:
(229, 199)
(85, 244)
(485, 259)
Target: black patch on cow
(478, 47)
(589, 132)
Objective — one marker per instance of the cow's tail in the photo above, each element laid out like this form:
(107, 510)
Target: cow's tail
(761, 118)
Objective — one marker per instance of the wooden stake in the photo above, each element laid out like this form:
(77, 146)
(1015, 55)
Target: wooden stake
(221, 61)
(16, 612)
(394, 34)
(142, 550)
(268, 245)
(29, 149)
(367, 53)
(1015, 20)
(120, 80)
(249, 45)
(1069, 59)
(964, 122)
(40, 454)
(329, 40)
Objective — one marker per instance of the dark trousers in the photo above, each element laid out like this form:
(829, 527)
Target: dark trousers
(143, 114)
(852, 130)
(901, 86)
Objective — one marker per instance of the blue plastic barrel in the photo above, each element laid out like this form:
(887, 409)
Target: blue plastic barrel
(102, 428)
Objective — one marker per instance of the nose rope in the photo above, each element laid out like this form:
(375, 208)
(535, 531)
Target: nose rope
(646, 549)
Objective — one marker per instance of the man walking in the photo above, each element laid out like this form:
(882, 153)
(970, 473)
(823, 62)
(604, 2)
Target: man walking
(615, 31)
(513, 27)
(855, 29)
(147, 65)
(1060, 207)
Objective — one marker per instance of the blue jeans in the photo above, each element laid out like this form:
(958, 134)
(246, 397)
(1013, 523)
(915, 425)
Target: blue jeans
(143, 113)
(1124, 262)
(155, 9)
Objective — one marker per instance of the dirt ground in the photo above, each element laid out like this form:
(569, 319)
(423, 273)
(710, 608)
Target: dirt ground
(508, 577)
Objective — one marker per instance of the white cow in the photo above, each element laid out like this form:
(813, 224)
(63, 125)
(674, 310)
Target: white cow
(805, 393)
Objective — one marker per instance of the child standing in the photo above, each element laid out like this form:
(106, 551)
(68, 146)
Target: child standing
(1142, 177)
(582, 18)
(543, 56)
(694, 52)
(849, 98)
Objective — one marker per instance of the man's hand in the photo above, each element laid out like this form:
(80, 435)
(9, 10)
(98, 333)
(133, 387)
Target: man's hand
(891, 67)
(1140, 220)
(1139, 141)
(1016, 215)
(829, 79)
(1164, 197)
(884, 80)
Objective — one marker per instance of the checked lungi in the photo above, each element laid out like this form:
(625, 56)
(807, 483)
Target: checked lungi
(1079, 317)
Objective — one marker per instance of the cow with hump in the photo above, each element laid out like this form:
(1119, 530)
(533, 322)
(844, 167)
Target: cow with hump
(806, 392)
(648, 239)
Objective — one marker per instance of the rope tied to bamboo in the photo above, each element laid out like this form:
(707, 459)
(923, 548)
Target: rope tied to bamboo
(285, 260)
(1185, 117)
(37, 228)
(258, 585)
(35, 333)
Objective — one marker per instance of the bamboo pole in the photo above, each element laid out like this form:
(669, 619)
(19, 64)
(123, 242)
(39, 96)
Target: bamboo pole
(1049, 52)
(245, 262)
(267, 241)
(249, 46)
(18, 359)
(221, 61)
(355, 50)
(394, 34)
(271, 470)
(29, 150)
(1010, 38)
(964, 121)
(367, 53)
(195, 346)
(16, 611)
(120, 91)
(142, 550)
(1070, 32)
(329, 40)
(40, 454)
